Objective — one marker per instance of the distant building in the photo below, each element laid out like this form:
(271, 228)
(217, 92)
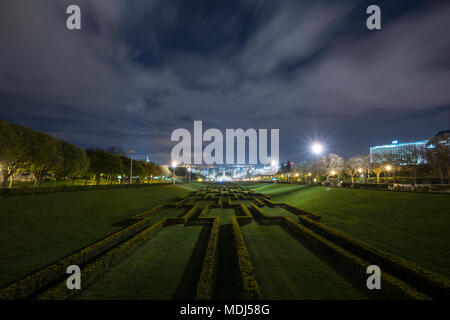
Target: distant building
(399, 152)
(403, 152)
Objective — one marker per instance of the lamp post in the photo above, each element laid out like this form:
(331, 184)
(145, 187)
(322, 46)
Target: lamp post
(274, 165)
(388, 168)
(174, 165)
(189, 170)
(317, 150)
(360, 170)
(131, 154)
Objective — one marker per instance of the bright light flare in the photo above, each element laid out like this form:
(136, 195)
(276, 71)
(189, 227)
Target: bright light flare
(174, 164)
(317, 148)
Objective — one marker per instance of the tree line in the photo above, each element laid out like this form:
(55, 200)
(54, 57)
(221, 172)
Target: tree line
(432, 160)
(25, 150)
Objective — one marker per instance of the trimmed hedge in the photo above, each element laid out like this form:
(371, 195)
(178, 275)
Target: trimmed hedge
(206, 282)
(430, 283)
(249, 283)
(141, 215)
(259, 203)
(37, 281)
(44, 190)
(300, 212)
(391, 286)
(270, 203)
(244, 210)
(264, 218)
(94, 270)
(204, 211)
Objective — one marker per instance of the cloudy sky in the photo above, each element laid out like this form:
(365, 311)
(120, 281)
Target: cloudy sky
(140, 69)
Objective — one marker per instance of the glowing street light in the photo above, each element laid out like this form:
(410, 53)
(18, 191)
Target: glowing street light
(174, 165)
(317, 149)
(388, 169)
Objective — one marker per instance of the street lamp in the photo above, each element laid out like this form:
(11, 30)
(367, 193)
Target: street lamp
(131, 154)
(174, 165)
(317, 150)
(388, 169)
(189, 170)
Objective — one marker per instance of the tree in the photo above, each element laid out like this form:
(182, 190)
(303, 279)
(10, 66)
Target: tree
(331, 164)
(102, 162)
(352, 165)
(303, 169)
(438, 154)
(412, 161)
(378, 165)
(75, 161)
(44, 155)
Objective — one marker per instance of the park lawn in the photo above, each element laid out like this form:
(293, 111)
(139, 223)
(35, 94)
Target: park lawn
(285, 269)
(153, 271)
(166, 213)
(279, 211)
(414, 226)
(224, 215)
(38, 230)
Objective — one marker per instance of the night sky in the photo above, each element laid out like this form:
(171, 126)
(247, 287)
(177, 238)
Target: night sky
(140, 69)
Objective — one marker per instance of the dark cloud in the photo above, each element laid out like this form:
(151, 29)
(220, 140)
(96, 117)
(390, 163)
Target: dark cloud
(140, 69)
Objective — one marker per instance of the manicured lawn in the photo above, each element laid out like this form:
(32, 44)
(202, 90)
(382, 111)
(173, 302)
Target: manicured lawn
(225, 215)
(278, 211)
(38, 230)
(285, 269)
(153, 271)
(414, 226)
(167, 213)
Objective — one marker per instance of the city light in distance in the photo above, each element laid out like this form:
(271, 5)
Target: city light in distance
(388, 168)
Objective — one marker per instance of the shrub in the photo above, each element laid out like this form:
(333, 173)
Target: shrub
(392, 287)
(34, 283)
(299, 211)
(141, 215)
(249, 283)
(205, 286)
(426, 281)
(94, 270)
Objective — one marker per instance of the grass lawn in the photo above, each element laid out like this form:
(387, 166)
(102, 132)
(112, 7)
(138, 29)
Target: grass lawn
(166, 213)
(225, 215)
(278, 211)
(414, 226)
(38, 230)
(285, 269)
(153, 271)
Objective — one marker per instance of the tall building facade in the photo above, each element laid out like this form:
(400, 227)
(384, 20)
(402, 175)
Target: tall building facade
(402, 153)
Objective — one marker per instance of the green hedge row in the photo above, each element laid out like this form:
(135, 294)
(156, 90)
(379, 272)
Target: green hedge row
(205, 286)
(220, 202)
(44, 190)
(428, 282)
(95, 269)
(270, 203)
(259, 203)
(300, 212)
(249, 284)
(34, 283)
(204, 211)
(391, 286)
(264, 218)
(244, 211)
(156, 208)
